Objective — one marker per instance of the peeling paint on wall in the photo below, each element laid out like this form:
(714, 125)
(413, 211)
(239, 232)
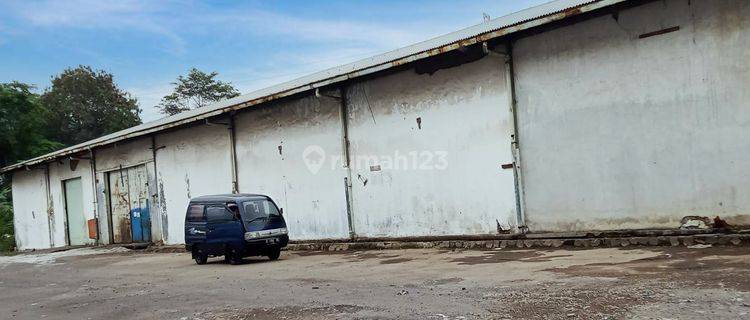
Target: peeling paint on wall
(187, 185)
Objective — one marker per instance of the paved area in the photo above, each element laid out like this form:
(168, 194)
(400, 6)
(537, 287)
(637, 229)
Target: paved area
(606, 283)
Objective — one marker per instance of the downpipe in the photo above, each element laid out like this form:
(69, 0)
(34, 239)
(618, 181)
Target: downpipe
(507, 57)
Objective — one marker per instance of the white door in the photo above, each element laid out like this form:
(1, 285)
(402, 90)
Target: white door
(78, 231)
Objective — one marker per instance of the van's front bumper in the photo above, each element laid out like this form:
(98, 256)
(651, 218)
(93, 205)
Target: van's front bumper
(267, 233)
(267, 242)
(269, 238)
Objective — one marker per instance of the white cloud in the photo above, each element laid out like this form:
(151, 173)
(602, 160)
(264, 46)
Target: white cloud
(174, 21)
(322, 31)
(140, 16)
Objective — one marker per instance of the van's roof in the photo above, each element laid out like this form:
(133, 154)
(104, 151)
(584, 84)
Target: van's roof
(227, 197)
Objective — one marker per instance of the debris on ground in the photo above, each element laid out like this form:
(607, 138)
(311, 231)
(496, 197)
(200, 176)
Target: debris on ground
(721, 224)
(700, 246)
(695, 222)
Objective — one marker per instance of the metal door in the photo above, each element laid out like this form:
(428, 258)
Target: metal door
(130, 213)
(78, 232)
(140, 222)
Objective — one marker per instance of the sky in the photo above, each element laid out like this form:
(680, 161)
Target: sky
(251, 44)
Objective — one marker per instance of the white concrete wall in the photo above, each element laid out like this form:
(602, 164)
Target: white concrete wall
(465, 116)
(58, 172)
(30, 209)
(190, 162)
(125, 154)
(618, 132)
(314, 201)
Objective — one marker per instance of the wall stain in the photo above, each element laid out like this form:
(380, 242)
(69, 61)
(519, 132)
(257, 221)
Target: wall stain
(125, 233)
(187, 185)
(163, 210)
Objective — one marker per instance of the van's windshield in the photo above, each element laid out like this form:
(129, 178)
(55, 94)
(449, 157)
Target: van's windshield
(259, 209)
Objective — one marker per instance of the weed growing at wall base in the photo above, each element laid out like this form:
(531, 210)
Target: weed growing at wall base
(7, 241)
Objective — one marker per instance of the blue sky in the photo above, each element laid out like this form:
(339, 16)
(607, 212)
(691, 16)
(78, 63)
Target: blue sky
(252, 44)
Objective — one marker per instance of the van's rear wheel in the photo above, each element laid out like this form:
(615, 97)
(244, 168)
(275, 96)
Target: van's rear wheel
(274, 254)
(199, 256)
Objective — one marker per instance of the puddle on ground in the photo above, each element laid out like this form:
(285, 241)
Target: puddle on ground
(500, 256)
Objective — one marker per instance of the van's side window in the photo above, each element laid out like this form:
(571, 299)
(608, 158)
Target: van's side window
(219, 214)
(195, 213)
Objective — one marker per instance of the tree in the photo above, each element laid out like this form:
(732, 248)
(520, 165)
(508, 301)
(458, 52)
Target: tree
(85, 104)
(198, 89)
(23, 122)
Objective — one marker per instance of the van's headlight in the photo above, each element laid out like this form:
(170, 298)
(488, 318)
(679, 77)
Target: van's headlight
(283, 231)
(251, 235)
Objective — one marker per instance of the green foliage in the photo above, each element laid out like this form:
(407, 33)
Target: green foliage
(23, 122)
(81, 105)
(7, 241)
(197, 90)
(85, 104)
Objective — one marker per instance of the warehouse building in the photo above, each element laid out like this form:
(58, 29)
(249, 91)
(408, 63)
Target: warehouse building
(571, 116)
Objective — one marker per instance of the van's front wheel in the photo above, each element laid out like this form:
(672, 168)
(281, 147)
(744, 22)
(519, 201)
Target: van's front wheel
(274, 254)
(199, 256)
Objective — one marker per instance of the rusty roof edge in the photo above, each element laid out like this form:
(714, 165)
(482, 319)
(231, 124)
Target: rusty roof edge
(525, 19)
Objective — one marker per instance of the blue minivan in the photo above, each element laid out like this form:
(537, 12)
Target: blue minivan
(234, 226)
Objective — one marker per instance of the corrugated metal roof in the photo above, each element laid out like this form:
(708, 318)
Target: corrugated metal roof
(531, 17)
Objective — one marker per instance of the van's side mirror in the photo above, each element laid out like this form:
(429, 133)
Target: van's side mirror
(281, 211)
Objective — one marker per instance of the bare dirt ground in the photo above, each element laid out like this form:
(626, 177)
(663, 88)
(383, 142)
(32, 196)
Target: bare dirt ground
(607, 283)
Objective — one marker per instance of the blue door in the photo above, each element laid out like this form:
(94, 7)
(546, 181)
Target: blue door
(141, 223)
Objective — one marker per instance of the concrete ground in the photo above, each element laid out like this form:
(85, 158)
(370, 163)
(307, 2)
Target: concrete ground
(606, 283)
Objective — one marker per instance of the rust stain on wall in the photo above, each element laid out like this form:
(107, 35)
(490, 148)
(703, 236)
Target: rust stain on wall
(163, 210)
(125, 235)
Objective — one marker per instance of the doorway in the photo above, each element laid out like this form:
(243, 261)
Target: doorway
(76, 225)
(129, 205)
